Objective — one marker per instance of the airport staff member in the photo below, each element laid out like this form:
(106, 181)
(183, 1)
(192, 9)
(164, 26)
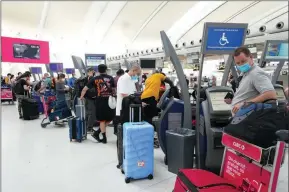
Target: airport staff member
(255, 85)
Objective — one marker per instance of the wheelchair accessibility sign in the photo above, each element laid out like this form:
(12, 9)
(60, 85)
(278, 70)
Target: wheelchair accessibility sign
(223, 37)
(223, 40)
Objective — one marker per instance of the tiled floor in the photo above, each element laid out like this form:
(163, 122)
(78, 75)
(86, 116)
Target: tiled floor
(43, 160)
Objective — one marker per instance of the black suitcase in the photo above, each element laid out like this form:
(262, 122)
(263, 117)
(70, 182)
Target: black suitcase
(257, 123)
(30, 109)
(119, 141)
(126, 102)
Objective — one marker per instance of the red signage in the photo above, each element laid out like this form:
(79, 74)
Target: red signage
(252, 151)
(244, 175)
(18, 50)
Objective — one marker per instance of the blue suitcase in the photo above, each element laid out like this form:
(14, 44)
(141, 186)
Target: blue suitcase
(77, 125)
(138, 150)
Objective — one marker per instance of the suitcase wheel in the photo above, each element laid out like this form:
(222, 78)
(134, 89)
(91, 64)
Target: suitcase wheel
(79, 140)
(150, 177)
(127, 180)
(43, 125)
(122, 171)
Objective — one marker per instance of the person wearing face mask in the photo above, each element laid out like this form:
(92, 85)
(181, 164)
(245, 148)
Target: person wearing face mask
(255, 85)
(126, 86)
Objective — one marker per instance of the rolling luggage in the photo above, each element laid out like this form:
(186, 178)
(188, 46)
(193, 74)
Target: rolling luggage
(77, 125)
(197, 180)
(120, 134)
(30, 109)
(40, 104)
(138, 150)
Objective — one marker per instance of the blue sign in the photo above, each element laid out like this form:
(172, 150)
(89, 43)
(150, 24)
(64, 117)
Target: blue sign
(224, 39)
(56, 67)
(93, 60)
(69, 70)
(36, 70)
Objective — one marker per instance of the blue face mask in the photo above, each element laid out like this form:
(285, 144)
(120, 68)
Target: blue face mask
(134, 78)
(244, 68)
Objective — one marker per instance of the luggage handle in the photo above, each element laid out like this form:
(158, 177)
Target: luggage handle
(131, 112)
(137, 123)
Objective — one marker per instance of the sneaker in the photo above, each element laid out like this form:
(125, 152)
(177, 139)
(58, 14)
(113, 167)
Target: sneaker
(104, 139)
(95, 135)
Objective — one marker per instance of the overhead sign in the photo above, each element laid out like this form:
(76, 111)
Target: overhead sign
(56, 67)
(69, 70)
(223, 38)
(93, 60)
(36, 70)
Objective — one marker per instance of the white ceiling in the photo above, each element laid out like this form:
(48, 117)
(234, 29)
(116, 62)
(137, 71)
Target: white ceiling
(112, 27)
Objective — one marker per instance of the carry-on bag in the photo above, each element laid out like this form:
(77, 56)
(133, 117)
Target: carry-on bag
(29, 109)
(257, 123)
(40, 104)
(138, 150)
(125, 109)
(120, 134)
(197, 180)
(77, 126)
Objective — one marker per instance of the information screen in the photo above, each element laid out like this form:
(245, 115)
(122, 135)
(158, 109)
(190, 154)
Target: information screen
(26, 51)
(278, 51)
(218, 103)
(148, 63)
(94, 61)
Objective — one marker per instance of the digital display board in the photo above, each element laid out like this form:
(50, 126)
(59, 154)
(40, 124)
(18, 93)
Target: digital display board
(277, 51)
(93, 60)
(56, 67)
(218, 103)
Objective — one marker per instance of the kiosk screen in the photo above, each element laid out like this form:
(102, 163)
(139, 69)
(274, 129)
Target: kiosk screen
(218, 103)
(277, 51)
(280, 94)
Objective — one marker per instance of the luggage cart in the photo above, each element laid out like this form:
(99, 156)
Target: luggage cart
(7, 95)
(55, 111)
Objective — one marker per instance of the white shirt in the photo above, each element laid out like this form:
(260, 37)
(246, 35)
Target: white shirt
(125, 85)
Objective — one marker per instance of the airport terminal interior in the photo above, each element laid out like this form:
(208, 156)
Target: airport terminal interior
(191, 42)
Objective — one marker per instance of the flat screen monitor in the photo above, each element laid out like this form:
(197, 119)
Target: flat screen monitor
(218, 103)
(56, 67)
(69, 70)
(36, 70)
(148, 63)
(277, 51)
(26, 51)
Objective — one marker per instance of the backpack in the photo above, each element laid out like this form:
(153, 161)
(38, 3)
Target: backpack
(17, 88)
(257, 123)
(79, 84)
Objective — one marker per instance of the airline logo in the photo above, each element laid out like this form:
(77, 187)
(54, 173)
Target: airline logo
(238, 145)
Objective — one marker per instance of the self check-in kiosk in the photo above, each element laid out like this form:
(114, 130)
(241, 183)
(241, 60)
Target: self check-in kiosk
(215, 115)
(69, 71)
(55, 68)
(218, 39)
(171, 117)
(36, 73)
(79, 65)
